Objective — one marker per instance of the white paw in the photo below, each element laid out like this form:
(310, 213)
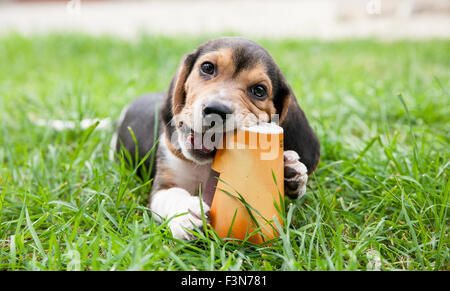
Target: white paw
(295, 175)
(188, 214)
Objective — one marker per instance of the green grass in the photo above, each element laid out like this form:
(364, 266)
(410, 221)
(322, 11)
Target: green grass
(379, 198)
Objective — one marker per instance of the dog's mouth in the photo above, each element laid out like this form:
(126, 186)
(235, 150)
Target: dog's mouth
(204, 144)
(200, 145)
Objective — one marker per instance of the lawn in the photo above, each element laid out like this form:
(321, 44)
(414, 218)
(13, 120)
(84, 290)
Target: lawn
(378, 200)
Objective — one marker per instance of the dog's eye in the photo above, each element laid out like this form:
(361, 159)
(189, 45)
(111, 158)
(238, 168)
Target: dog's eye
(207, 68)
(259, 91)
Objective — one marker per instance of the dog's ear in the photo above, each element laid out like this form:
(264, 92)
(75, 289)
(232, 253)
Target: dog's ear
(282, 99)
(298, 134)
(177, 87)
(176, 95)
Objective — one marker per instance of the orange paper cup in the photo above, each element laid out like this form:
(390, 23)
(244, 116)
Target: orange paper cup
(246, 183)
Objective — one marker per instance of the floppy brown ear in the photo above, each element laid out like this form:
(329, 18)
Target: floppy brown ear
(282, 101)
(298, 134)
(177, 88)
(176, 95)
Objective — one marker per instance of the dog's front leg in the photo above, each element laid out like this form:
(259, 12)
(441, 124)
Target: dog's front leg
(295, 175)
(168, 203)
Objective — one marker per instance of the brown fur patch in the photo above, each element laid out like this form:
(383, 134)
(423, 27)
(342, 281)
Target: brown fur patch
(164, 180)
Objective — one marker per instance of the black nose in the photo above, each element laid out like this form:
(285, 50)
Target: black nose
(215, 107)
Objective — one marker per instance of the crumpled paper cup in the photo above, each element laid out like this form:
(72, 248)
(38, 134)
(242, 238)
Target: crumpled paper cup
(246, 184)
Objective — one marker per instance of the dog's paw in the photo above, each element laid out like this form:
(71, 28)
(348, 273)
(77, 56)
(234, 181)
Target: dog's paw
(190, 219)
(295, 175)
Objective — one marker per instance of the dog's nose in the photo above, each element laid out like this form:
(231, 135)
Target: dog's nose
(218, 108)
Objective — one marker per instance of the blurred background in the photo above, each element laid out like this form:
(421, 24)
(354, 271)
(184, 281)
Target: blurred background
(322, 19)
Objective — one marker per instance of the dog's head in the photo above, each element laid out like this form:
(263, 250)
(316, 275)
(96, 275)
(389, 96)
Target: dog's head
(225, 84)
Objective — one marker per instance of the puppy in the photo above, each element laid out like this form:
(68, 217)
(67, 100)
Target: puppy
(239, 83)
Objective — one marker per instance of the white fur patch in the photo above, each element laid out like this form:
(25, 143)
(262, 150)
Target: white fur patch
(188, 175)
(112, 147)
(112, 144)
(183, 211)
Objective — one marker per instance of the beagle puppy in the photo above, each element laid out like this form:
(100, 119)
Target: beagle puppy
(239, 83)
